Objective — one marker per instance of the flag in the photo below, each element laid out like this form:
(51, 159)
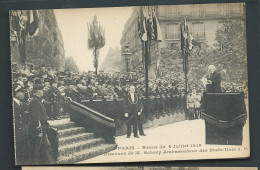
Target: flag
(157, 28)
(143, 29)
(142, 26)
(184, 44)
(32, 22)
(149, 29)
(184, 35)
(191, 42)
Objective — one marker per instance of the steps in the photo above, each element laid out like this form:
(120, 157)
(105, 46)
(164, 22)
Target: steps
(75, 144)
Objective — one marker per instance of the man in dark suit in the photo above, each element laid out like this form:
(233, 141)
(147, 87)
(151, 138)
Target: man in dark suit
(38, 126)
(51, 104)
(214, 80)
(133, 110)
(22, 147)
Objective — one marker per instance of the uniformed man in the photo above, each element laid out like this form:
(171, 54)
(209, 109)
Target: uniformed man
(22, 146)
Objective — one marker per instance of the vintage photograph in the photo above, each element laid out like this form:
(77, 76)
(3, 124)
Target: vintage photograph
(129, 84)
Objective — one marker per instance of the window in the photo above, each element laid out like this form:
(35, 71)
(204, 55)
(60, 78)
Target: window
(198, 30)
(173, 31)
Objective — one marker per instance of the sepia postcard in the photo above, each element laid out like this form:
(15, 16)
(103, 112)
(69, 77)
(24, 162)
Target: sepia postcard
(129, 84)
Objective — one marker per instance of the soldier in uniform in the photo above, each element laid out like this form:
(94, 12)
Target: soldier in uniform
(190, 105)
(22, 146)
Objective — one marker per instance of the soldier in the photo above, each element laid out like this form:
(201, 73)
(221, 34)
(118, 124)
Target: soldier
(22, 146)
(197, 104)
(190, 105)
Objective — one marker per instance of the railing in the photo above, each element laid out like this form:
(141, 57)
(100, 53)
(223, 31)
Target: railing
(154, 106)
(93, 121)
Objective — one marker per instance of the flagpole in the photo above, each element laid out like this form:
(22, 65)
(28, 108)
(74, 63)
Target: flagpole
(146, 63)
(185, 72)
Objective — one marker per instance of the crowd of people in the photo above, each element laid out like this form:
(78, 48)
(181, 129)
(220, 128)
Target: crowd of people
(41, 94)
(57, 86)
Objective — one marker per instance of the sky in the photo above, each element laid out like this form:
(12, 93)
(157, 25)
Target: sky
(73, 26)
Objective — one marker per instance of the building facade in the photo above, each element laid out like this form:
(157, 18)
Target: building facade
(203, 21)
(46, 47)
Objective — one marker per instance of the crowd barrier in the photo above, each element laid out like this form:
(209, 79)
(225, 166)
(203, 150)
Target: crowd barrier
(154, 106)
(155, 109)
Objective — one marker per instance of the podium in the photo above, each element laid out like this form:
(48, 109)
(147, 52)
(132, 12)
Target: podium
(225, 116)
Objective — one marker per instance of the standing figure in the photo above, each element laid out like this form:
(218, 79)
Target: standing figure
(133, 110)
(38, 126)
(51, 100)
(197, 104)
(190, 106)
(22, 146)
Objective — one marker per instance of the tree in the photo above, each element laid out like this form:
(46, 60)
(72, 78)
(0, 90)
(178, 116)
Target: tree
(71, 65)
(230, 49)
(96, 39)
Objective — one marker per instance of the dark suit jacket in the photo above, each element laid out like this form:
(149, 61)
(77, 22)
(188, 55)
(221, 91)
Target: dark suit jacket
(132, 107)
(21, 135)
(215, 86)
(21, 119)
(37, 114)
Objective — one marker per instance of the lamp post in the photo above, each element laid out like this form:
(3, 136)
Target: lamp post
(127, 55)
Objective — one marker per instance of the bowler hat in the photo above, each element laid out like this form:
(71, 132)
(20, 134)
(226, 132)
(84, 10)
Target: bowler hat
(17, 88)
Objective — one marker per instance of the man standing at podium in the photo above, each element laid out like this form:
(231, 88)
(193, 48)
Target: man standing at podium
(214, 80)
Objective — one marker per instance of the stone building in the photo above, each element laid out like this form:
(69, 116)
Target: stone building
(46, 47)
(202, 19)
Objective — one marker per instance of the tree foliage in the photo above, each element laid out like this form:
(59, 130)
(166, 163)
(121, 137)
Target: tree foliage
(96, 39)
(71, 65)
(228, 54)
(231, 44)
